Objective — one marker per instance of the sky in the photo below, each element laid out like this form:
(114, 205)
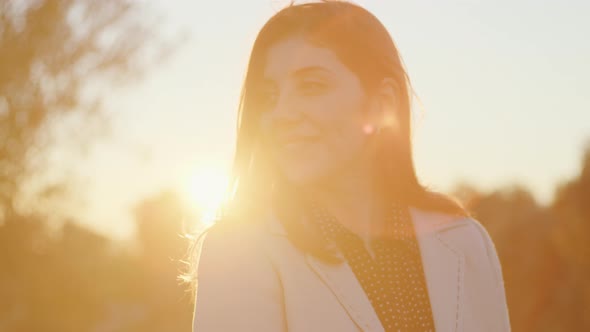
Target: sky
(504, 87)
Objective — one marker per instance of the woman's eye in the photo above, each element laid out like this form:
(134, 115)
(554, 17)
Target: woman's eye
(312, 87)
(268, 98)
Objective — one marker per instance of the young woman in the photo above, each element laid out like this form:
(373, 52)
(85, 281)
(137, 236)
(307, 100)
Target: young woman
(328, 228)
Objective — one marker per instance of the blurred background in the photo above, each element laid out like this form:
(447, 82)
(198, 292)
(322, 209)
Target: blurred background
(117, 123)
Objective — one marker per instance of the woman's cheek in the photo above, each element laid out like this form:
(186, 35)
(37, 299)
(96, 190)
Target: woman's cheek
(324, 156)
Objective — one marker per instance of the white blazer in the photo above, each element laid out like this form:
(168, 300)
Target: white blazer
(254, 279)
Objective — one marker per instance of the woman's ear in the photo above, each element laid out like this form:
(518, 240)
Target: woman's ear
(382, 107)
(387, 94)
(373, 116)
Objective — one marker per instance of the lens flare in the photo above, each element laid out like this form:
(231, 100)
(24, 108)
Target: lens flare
(206, 191)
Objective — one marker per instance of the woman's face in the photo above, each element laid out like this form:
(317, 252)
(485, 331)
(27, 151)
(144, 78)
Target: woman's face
(315, 119)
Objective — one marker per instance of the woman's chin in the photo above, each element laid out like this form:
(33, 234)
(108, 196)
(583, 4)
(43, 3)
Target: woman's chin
(302, 176)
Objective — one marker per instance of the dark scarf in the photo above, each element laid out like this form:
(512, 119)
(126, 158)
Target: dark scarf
(394, 280)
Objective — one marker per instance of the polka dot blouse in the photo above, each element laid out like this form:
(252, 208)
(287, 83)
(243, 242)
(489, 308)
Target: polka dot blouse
(393, 277)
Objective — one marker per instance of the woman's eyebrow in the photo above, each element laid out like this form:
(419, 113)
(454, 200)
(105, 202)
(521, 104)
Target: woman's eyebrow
(310, 70)
(266, 82)
(299, 73)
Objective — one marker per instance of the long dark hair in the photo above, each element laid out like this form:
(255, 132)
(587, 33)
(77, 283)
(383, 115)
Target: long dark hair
(363, 44)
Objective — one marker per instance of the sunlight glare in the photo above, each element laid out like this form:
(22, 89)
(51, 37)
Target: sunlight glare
(206, 190)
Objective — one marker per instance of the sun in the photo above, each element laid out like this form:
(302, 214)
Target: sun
(205, 190)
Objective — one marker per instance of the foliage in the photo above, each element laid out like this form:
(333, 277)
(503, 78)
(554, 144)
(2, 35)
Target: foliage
(51, 54)
(544, 253)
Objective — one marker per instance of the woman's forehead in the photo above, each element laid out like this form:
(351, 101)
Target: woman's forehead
(296, 55)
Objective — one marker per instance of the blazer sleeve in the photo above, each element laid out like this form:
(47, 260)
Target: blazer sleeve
(238, 288)
(502, 319)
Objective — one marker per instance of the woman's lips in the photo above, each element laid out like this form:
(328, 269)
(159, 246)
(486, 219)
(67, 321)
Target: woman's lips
(294, 145)
(297, 143)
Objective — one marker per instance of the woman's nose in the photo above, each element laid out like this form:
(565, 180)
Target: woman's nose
(285, 110)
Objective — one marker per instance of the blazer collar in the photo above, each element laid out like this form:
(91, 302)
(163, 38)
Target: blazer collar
(425, 222)
(443, 269)
(444, 266)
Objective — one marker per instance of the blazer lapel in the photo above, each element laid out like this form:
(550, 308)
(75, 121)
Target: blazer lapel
(443, 267)
(342, 281)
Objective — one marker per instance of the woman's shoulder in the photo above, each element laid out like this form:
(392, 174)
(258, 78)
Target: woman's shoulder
(460, 231)
(442, 220)
(465, 235)
(236, 285)
(230, 254)
(232, 235)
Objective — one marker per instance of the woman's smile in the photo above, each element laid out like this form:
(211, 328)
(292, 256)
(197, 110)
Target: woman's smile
(295, 146)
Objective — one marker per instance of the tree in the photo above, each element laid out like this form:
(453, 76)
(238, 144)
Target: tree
(161, 224)
(572, 238)
(544, 252)
(50, 53)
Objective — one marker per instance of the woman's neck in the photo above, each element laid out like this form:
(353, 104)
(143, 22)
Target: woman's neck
(355, 202)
